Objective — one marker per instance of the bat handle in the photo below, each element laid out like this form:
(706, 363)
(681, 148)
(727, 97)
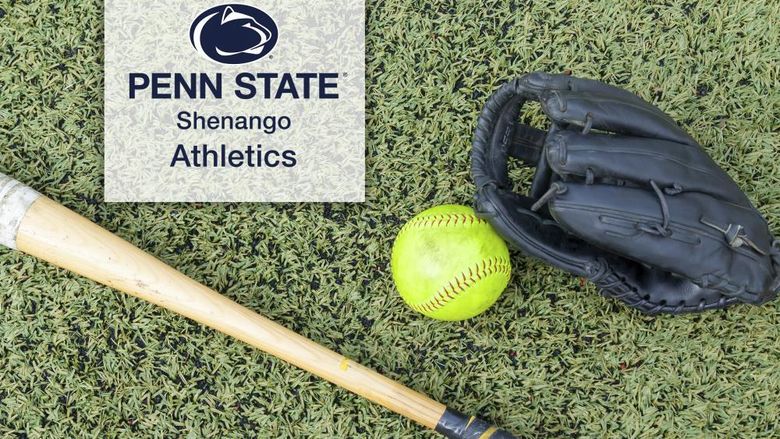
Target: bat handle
(456, 425)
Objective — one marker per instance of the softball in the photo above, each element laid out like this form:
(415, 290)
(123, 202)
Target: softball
(449, 264)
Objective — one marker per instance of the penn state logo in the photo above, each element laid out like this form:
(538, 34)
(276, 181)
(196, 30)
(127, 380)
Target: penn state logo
(233, 34)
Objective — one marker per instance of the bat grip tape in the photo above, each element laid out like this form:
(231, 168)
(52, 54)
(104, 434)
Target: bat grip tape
(15, 201)
(456, 425)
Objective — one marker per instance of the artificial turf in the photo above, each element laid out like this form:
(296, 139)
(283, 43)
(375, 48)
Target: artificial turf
(551, 359)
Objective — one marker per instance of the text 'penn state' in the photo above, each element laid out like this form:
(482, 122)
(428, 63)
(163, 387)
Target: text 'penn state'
(304, 85)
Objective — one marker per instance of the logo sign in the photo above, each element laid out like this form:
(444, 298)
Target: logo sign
(204, 104)
(233, 34)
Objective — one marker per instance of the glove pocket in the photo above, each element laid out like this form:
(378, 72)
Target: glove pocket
(631, 222)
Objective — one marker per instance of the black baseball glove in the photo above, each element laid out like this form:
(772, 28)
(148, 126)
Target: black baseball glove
(622, 196)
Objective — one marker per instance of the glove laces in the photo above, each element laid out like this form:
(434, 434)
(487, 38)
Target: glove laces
(555, 190)
(661, 229)
(736, 237)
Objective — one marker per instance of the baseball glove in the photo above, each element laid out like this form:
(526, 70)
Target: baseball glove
(622, 196)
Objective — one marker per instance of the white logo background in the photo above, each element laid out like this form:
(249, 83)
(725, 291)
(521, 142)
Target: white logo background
(328, 135)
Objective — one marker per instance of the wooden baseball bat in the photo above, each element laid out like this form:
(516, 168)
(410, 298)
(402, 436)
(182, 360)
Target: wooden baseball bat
(38, 226)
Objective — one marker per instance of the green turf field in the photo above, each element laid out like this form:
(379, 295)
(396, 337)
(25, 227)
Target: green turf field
(551, 359)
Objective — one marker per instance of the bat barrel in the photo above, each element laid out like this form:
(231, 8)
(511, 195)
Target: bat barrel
(45, 229)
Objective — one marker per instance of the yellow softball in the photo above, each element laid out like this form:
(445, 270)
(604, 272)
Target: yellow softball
(449, 264)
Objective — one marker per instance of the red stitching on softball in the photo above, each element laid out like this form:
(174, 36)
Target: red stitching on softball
(443, 220)
(477, 272)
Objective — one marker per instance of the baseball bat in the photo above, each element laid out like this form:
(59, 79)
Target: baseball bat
(40, 227)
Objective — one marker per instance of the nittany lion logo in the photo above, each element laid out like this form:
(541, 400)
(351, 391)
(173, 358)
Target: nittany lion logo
(234, 34)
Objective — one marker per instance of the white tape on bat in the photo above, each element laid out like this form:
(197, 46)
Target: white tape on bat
(15, 201)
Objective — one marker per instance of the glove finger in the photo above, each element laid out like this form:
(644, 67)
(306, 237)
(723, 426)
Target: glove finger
(639, 160)
(541, 82)
(603, 111)
(696, 244)
(607, 91)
